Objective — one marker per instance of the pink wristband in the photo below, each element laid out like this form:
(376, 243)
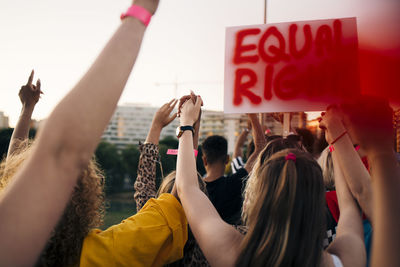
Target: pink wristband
(139, 13)
(175, 152)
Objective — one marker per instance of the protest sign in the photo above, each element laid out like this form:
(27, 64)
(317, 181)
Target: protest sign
(293, 66)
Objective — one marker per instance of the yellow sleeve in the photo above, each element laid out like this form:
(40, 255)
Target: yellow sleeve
(154, 236)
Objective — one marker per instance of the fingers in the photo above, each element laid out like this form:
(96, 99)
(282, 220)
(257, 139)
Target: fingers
(172, 101)
(38, 84)
(30, 79)
(170, 119)
(198, 103)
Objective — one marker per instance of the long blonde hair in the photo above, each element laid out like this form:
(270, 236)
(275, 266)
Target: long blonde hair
(84, 211)
(284, 211)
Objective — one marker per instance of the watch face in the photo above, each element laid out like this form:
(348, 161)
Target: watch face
(178, 131)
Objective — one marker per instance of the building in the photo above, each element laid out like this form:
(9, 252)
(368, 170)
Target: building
(273, 121)
(131, 124)
(219, 123)
(4, 123)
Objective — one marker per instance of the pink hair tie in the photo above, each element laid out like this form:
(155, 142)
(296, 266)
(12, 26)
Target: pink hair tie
(291, 156)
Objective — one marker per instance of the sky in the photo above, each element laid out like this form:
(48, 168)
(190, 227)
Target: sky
(183, 46)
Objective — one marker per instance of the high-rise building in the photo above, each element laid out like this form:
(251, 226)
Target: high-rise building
(131, 124)
(4, 123)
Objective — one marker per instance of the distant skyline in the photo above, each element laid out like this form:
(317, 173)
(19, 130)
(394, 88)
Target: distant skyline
(184, 43)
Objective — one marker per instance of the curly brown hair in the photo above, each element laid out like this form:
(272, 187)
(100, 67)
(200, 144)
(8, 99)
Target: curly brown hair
(84, 211)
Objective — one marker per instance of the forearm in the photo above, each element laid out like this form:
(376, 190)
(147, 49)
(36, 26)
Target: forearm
(350, 215)
(145, 184)
(21, 130)
(186, 176)
(78, 121)
(355, 173)
(259, 142)
(238, 152)
(386, 180)
(154, 135)
(196, 135)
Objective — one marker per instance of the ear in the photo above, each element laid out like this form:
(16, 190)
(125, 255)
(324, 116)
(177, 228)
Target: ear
(204, 160)
(227, 159)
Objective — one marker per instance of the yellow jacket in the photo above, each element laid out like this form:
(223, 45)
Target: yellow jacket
(154, 236)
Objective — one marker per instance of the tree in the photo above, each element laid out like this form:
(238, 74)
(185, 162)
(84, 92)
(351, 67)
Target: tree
(170, 142)
(110, 161)
(130, 157)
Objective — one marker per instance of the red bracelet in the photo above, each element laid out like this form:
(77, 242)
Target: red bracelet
(340, 136)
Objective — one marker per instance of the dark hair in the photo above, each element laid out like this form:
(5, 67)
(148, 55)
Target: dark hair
(284, 210)
(215, 149)
(307, 139)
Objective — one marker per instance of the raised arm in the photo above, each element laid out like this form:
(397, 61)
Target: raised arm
(145, 184)
(238, 151)
(259, 141)
(218, 240)
(370, 122)
(355, 173)
(29, 95)
(349, 239)
(64, 146)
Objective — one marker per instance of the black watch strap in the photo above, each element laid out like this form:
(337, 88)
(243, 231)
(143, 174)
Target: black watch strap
(185, 128)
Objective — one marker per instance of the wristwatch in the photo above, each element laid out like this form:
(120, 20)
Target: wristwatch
(181, 129)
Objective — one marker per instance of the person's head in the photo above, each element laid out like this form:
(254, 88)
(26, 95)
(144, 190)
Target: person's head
(268, 138)
(215, 150)
(307, 139)
(326, 163)
(284, 211)
(277, 144)
(168, 183)
(84, 211)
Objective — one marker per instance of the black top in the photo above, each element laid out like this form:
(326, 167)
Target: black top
(226, 194)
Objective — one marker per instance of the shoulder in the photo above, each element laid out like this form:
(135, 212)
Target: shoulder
(239, 174)
(158, 232)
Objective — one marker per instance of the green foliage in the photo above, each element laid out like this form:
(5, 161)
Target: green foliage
(170, 142)
(111, 163)
(130, 157)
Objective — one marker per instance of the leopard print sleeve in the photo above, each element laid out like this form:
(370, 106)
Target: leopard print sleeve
(145, 184)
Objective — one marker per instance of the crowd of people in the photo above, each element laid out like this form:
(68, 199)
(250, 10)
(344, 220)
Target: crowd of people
(281, 206)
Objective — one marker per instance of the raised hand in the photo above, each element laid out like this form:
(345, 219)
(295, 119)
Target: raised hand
(185, 98)
(161, 119)
(29, 94)
(190, 111)
(163, 116)
(331, 122)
